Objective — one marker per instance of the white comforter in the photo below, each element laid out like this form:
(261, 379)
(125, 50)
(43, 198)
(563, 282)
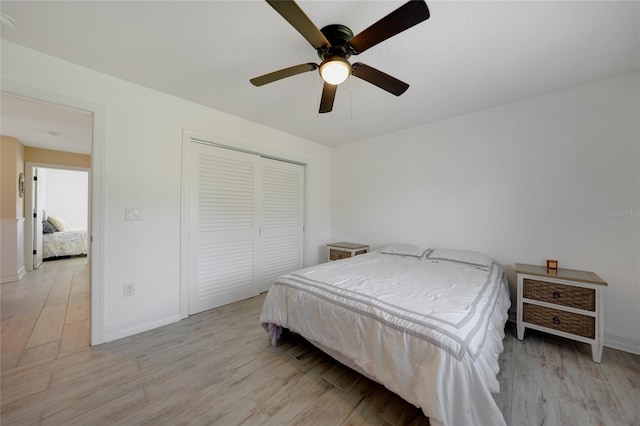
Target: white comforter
(66, 243)
(430, 331)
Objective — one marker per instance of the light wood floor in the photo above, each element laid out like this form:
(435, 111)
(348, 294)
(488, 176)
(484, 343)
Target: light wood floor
(46, 314)
(218, 367)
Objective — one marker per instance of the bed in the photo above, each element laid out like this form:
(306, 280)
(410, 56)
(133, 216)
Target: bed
(427, 324)
(66, 243)
(59, 240)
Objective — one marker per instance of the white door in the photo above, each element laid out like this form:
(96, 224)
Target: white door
(245, 222)
(38, 205)
(222, 226)
(281, 220)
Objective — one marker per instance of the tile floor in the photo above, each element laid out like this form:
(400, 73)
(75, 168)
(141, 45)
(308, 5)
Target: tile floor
(46, 313)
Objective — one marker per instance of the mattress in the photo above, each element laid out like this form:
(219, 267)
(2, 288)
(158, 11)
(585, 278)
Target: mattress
(428, 329)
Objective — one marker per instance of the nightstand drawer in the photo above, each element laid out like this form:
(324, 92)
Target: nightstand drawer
(560, 294)
(580, 325)
(335, 254)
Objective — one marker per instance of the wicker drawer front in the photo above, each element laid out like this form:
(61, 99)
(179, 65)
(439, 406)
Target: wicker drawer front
(568, 322)
(338, 254)
(560, 294)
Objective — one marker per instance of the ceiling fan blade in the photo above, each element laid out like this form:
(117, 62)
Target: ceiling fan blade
(378, 78)
(405, 17)
(283, 73)
(290, 11)
(328, 95)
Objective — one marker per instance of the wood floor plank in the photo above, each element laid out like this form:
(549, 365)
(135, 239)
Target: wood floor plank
(81, 281)
(617, 377)
(505, 375)
(532, 401)
(75, 336)
(533, 347)
(17, 390)
(16, 335)
(80, 393)
(107, 411)
(7, 295)
(29, 309)
(78, 307)
(610, 406)
(46, 351)
(23, 418)
(49, 326)
(391, 408)
(333, 407)
(341, 377)
(195, 377)
(59, 294)
(6, 313)
(93, 369)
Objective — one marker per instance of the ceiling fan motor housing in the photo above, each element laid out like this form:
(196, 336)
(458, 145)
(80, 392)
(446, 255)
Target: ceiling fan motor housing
(339, 36)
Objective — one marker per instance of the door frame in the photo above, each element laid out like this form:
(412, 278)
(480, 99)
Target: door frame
(97, 190)
(28, 206)
(189, 137)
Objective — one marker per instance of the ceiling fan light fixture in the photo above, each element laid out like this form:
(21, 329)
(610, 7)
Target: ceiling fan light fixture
(335, 70)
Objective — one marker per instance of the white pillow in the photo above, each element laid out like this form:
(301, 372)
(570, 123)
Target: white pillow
(60, 224)
(472, 258)
(404, 250)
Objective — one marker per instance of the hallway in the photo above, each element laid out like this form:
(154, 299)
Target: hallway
(47, 313)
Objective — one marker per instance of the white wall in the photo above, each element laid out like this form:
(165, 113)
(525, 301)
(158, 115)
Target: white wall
(66, 194)
(142, 167)
(542, 178)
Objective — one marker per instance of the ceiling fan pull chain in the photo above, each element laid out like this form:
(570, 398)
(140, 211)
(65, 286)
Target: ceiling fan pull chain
(319, 85)
(351, 99)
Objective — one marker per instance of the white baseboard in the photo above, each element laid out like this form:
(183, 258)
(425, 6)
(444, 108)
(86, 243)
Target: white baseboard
(130, 328)
(8, 278)
(623, 343)
(21, 272)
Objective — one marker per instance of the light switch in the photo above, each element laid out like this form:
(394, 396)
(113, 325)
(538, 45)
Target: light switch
(131, 213)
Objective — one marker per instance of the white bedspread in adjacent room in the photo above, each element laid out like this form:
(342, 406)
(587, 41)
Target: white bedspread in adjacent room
(67, 243)
(430, 331)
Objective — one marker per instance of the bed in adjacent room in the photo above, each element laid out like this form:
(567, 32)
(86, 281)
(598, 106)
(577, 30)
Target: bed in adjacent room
(427, 324)
(58, 240)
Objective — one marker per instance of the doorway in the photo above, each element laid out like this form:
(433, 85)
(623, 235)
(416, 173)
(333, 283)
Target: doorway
(94, 271)
(60, 197)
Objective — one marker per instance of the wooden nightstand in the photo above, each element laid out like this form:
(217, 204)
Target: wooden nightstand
(344, 250)
(564, 302)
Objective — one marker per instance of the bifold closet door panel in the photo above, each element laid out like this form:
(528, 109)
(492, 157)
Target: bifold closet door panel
(281, 220)
(223, 231)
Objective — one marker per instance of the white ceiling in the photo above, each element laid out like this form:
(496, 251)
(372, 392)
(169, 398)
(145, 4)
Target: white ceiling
(468, 56)
(42, 125)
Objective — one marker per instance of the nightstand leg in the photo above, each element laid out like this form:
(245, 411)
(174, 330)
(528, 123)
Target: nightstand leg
(596, 352)
(520, 329)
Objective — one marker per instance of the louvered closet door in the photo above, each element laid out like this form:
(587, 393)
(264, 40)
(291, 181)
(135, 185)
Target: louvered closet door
(281, 221)
(223, 231)
(245, 224)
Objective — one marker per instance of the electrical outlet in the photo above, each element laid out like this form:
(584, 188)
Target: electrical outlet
(129, 289)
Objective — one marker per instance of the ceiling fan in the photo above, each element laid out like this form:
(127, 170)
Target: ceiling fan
(336, 43)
